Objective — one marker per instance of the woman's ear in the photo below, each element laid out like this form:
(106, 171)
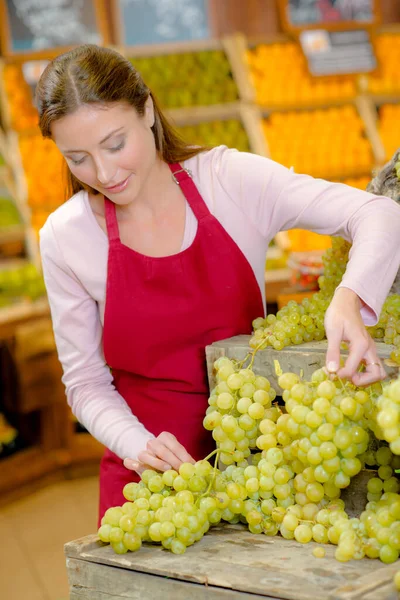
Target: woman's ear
(149, 111)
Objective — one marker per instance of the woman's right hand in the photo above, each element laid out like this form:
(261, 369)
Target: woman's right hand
(162, 453)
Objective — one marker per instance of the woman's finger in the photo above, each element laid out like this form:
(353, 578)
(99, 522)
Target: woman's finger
(358, 348)
(374, 371)
(135, 465)
(333, 353)
(161, 451)
(153, 462)
(170, 441)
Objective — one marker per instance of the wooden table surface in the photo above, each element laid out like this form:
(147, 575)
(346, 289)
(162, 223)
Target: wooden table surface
(229, 563)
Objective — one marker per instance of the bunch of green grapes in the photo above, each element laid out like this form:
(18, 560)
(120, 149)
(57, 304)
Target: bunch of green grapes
(387, 329)
(171, 508)
(388, 415)
(285, 470)
(237, 405)
(298, 323)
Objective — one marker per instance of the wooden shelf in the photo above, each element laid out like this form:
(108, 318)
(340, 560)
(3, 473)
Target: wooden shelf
(14, 315)
(379, 99)
(307, 106)
(192, 115)
(84, 448)
(149, 50)
(33, 468)
(14, 233)
(27, 465)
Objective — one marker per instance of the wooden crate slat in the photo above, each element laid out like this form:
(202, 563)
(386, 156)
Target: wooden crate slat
(170, 48)
(317, 105)
(367, 112)
(5, 111)
(192, 115)
(100, 585)
(235, 48)
(232, 559)
(251, 118)
(305, 357)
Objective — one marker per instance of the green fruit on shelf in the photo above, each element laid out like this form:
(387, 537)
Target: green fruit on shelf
(188, 78)
(9, 214)
(20, 283)
(213, 133)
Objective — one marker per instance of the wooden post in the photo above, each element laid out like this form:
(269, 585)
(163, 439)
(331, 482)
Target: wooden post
(368, 114)
(236, 47)
(252, 120)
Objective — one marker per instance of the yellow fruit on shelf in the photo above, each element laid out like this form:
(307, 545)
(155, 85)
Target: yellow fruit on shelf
(387, 81)
(328, 143)
(280, 77)
(389, 128)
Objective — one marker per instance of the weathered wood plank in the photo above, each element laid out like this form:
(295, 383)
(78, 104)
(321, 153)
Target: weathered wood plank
(231, 558)
(91, 581)
(377, 584)
(305, 357)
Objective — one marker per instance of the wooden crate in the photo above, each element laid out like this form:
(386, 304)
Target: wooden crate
(229, 563)
(305, 357)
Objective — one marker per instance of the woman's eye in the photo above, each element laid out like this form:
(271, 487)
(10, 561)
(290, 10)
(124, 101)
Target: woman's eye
(119, 147)
(77, 162)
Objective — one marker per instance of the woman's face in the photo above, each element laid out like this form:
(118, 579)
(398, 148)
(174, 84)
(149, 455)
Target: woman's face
(109, 148)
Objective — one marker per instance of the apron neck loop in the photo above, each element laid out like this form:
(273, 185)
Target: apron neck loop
(183, 177)
(111, 220)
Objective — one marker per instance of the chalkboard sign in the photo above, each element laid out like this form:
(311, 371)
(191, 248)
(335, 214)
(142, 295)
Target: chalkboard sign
(159, 21)
(29, 26)
(331, 14)
(338, 52)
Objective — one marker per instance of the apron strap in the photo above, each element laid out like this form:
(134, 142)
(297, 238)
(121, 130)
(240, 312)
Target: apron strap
(183, 178)
(111, 220)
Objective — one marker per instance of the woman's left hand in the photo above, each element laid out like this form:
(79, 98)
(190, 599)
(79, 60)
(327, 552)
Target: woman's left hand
(343, 323)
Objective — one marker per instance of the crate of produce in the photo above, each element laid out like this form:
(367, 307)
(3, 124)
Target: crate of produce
(278, 72)
(389, 127)
(228, 564)
(305, 358)
(205, 74)
(331, 143)
(386, 81)
(308, 483)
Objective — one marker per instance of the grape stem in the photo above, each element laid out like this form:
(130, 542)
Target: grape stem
(217, 452)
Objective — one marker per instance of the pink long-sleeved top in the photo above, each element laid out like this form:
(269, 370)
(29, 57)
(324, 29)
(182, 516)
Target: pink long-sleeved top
(253, 198)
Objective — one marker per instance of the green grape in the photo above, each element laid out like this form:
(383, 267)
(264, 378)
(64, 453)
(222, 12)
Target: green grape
(112, 516)
(303, 534)
(104, 533)
(119, 547)
(178, 546)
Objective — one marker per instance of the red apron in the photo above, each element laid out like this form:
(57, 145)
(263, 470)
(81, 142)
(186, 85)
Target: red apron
(160, 315)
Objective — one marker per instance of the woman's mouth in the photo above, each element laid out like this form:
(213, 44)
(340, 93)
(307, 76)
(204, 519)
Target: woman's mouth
(119, 187)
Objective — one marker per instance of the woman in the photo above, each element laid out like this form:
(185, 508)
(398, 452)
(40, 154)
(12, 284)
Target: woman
(160, 251)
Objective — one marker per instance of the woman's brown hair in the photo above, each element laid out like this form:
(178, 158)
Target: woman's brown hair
(91, 74)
